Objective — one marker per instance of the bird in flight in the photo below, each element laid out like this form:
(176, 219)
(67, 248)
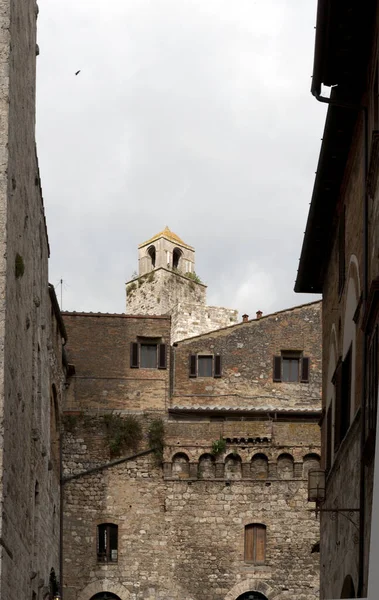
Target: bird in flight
(77, 72)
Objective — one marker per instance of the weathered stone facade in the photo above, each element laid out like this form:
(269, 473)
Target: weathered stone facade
(31, 368)
(340, 259)
(167, 284)
(181, 523)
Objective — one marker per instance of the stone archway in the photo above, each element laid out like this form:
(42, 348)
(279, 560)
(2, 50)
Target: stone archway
(95, 589)
(105, 596)
(252, 596)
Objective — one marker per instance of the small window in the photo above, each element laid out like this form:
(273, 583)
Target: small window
(148, 356)
(107, 542)
(341, 251)
(201, 365)
(328, 459)
(291, 368)
(255, 544)
(372, 407)
(342, 382)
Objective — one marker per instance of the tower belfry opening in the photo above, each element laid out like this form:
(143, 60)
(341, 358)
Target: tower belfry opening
(176, 256)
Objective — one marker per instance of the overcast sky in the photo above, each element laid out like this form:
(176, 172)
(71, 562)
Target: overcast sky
(195, 114)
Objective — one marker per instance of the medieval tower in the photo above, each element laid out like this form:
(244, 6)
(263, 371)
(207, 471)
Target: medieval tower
(167, 284)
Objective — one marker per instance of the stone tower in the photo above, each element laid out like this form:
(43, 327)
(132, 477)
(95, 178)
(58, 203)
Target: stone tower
(167, 284)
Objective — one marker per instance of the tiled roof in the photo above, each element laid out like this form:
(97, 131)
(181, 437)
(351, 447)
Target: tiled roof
(251, 409)
(169, 235)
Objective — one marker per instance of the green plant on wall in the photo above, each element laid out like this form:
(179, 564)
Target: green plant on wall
(123, 433)
(131, 287)
(218, 446)
(70, 422)
(156, 438)
(194, 277)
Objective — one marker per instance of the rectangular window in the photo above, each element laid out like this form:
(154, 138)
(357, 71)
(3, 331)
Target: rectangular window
(201, 365)
(372, 383)
(341, 251)
(107, 541)
(148, 355)
(346, 394)
(291, 368)
(328, 460)
(255, 544)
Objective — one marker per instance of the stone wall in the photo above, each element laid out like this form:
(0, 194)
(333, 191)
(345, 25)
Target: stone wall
(30, 362)
(182, 536)
(159, 291)
(189, 319)
(247, 351)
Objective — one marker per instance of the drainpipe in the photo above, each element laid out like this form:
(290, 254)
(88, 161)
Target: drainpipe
(361, 560)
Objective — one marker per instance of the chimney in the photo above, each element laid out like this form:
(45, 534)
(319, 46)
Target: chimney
(245, 318)
(259, 314)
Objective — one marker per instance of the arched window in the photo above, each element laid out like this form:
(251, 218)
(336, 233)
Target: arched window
(259, 466)
(180, 466)
(206, 468)
(252, 596)
(54, 428)
(107, 542)
(151, 252)
(176, 256)
(310, 461)
(285, 466)
(348, 590)
(255, 543)
(105, 596)
(233, 467)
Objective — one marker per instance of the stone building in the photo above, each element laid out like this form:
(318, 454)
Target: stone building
(31, 332)
(340, 260)
(222, 513)
(167, 284)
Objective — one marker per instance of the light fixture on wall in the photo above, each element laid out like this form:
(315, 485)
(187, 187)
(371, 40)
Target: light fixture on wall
(317, 494)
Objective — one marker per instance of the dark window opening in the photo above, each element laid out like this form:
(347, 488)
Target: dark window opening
(373, 383)
(107, 541)
(255, 544)
(205, 365)
(328, 460)
(152, 254)
(291, 368)
(148, 356)
(346, 394)
(176, 255)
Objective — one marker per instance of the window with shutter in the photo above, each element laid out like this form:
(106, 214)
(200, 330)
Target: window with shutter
(255, 543)
(134, 355)
(305, 370)
(277, 375)
(341, 252)
(148, 356)
(192, 366)
(345, 394)
(217, 370)
(337, 380)
(162, 362)
(205, 366)
(107, 542)
(328, 460)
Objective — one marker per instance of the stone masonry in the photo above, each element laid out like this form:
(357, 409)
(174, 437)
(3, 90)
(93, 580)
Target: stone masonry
(167, 284)
(181, 522)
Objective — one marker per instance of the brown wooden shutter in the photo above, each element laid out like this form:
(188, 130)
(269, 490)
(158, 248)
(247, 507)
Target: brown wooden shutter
(277, 374)
(260, 543)
(192, 365)
(162, 360)
(337, 409)
(305, 370)
(134, 363)
(249, 543)
(217, 369)
(328, 461)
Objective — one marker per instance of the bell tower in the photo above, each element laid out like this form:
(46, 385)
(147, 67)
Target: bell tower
(165, 250)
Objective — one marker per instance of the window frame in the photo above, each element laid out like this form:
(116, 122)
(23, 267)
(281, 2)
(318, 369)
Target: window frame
(251, 538)
(194, 365)
(103, 530)
(135, 354)
(303, 366)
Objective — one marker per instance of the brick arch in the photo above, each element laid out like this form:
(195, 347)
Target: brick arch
(250, 585)
(104, 586)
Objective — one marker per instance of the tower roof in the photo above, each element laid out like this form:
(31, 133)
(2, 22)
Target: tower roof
(168, 235)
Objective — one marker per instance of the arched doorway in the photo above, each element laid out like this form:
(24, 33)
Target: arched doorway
(252, 596)
(348, 590)
(105, 596)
